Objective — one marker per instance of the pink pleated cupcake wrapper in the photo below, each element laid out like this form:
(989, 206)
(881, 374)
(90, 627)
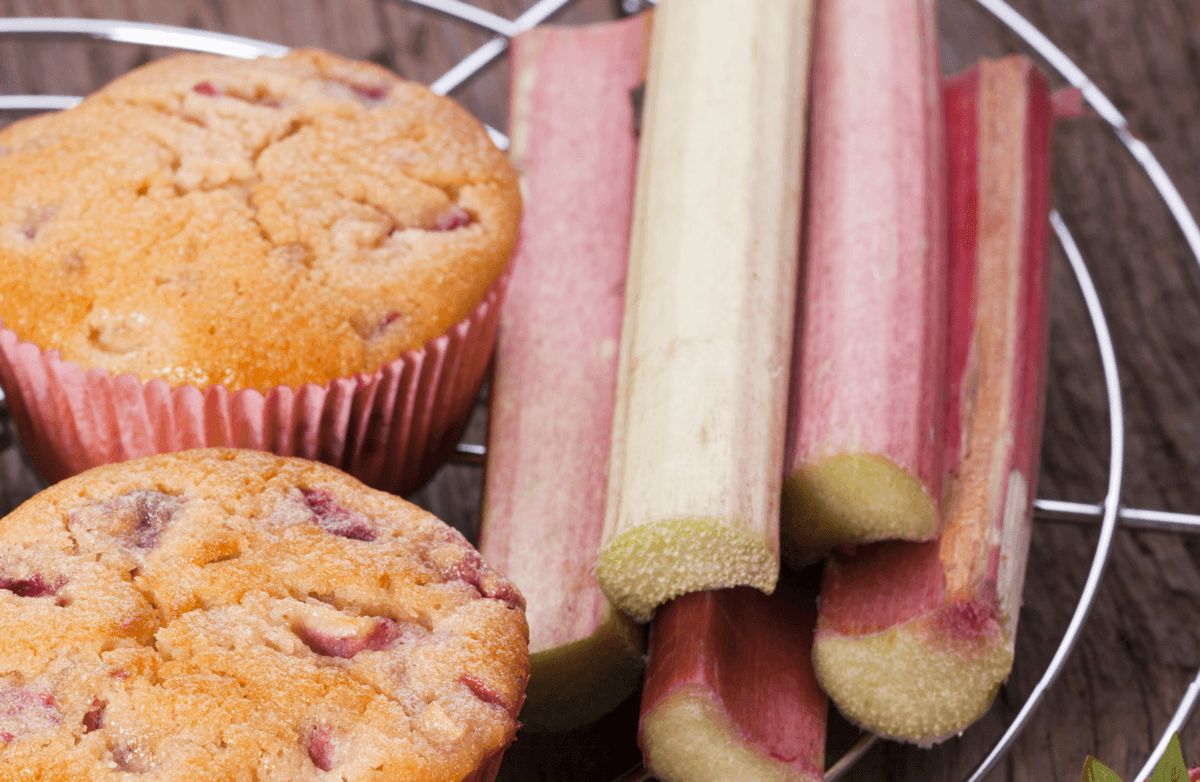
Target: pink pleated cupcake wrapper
(391, 428)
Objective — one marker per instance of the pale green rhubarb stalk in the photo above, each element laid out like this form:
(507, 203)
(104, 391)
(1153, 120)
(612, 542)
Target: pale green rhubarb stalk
(914, 639)
(697, 446)
(574, 142)
(864, 435)
(730, 692)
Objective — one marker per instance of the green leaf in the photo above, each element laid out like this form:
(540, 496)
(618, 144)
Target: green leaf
(1171, 767)
(1095, 771)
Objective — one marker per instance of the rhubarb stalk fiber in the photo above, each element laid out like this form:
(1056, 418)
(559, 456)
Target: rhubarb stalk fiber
(697, 446)
(553, 392)
(913, 639)
(730, 692)
(865, 420)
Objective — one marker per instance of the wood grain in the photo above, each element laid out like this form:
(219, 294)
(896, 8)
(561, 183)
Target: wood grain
(1142, 643)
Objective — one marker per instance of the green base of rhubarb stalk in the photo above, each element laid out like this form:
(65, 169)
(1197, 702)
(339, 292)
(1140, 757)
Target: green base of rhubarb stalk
(850, 499)
(647, 565)
(689, 736)
(910, 683)
(577, 683)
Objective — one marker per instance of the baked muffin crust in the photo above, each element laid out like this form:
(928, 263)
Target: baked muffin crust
(250, 223)
(221, 614)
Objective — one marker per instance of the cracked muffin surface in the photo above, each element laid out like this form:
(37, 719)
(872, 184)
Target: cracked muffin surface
(226, 614)
(250, 223)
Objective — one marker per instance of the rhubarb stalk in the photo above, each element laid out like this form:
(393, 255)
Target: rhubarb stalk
(913, 639)
(730, 691)
(574, 142)
(864, 435)
(697, 445)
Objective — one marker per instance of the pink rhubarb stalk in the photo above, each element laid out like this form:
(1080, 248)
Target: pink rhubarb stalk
(730, 692)
(864, 435)
(574, 142)
(913, 639)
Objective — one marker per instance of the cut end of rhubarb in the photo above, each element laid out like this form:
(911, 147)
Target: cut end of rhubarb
(730, 691)
(690, 737)
(571, 685)
(850, 499)
(950, 675)
(647, 565)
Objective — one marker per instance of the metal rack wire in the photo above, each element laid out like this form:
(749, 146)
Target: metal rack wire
(1106, 515)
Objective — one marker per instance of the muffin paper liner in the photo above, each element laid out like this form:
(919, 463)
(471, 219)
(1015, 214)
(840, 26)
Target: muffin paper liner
(391, 428)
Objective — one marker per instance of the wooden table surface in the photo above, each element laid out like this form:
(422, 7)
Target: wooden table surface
(1139, 648)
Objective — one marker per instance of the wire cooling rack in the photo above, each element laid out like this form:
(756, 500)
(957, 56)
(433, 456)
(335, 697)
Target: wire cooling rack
(1105, 515)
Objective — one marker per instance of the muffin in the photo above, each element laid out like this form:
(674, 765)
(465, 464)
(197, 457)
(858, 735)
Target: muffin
(225, 614)
(272, 228)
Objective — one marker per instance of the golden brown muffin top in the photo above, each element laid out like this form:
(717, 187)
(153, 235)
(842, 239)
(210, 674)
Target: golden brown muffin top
(225, 614)
(250, 223)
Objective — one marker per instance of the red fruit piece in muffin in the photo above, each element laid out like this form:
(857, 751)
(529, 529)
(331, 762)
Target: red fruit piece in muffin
(345, 642)
(335, 518)
(454, 217)
(36, 585)
(137, 518)
(93, 718)
(456, 559)
(321, 747)
(331, 632)
(483, 692)
(24, 711)
(132, 757)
